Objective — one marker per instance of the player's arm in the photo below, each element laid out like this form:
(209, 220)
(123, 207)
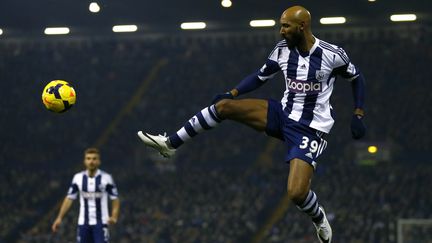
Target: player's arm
(358, 90)
(115, 201)
(115, 210)
(67, 203)
(358, 129)
(352, 74)
(254, 80)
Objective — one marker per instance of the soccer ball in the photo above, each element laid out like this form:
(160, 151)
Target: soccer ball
(58, 96)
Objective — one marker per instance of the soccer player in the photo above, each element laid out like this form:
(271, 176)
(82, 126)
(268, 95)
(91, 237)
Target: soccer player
(94, 187)
(301, 119)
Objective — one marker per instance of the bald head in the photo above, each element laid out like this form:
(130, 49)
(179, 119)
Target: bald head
(295, 25)
(298, 15)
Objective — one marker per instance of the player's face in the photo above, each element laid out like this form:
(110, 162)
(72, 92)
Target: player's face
(290, 31)
(91, 161)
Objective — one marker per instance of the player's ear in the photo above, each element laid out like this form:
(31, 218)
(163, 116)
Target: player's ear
(302, 25)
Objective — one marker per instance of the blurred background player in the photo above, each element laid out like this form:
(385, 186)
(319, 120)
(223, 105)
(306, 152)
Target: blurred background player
(301, 119)
(94, 187)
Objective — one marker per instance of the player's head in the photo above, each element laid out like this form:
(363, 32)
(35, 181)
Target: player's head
(92, 159)
(295, 25)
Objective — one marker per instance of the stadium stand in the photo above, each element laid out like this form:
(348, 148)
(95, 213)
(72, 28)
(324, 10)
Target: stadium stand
(211, 191)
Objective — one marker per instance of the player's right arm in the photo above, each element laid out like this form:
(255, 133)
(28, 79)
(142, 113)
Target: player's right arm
(256, 79)
(67, 203)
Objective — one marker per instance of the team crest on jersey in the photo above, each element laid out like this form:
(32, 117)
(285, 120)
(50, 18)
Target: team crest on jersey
(319, 75)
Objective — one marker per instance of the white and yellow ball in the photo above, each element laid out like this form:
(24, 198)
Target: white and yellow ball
(58, 96)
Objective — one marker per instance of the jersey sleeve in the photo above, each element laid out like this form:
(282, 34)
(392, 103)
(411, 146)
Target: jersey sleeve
(111, 188)
(271, 66)
(73, 189)
(344, 67)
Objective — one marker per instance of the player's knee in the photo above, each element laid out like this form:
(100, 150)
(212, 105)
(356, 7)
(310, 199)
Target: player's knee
(225, 108)
(296, 194)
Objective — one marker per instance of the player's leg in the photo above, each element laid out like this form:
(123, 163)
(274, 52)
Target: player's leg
(298, 186)
(251, 112)
(100, 234)
(85, 234)
(304, 145)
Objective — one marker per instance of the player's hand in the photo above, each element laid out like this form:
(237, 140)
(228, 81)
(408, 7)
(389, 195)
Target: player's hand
(112, 220)
(358, 129)
(55, 225)
(218, 97)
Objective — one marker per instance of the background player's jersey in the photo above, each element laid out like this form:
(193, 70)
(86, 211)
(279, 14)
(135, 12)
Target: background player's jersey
(309, 79)
(93, 192)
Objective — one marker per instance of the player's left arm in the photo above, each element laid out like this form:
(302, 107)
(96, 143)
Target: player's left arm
(111, 188)
(349, 71)
(358, 129)
(115, 210)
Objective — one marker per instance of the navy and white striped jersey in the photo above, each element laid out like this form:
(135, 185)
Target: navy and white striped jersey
(94, 193)
(309, 79)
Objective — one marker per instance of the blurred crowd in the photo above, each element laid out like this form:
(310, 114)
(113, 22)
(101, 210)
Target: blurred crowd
(231, 205)
(212, 191)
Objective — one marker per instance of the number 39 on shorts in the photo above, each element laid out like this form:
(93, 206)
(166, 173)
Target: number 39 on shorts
(313, 145)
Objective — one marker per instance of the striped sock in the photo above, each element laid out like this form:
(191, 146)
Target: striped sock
(310, 207)
(206, 119)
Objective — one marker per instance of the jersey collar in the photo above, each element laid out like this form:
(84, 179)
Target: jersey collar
(305, 54)
(96, 174)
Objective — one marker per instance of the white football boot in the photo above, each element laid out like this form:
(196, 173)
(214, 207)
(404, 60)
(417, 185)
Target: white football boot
(159, 142)
(324, 231)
